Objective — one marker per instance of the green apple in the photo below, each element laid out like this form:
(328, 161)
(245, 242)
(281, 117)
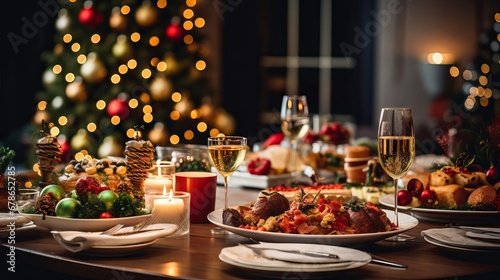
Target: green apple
(68, 207)
(107, 197)
(57, 192)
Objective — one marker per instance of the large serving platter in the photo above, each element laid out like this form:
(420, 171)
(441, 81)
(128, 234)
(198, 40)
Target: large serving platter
(446, 216)
(61, 224)
(406, 222)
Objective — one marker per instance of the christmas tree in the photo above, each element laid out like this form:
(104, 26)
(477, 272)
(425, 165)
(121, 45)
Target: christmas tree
(119, 64)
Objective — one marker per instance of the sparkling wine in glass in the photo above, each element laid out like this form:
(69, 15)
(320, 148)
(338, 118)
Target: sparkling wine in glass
(294, 123)
(396, 146)
(226, 154)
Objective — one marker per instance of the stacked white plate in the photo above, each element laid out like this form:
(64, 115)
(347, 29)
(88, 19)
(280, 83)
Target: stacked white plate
(10, 222)
(462, 240)
(286, 262)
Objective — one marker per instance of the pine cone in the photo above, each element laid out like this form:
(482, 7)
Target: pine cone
(124, 188)
(46, 205)
(22, 181)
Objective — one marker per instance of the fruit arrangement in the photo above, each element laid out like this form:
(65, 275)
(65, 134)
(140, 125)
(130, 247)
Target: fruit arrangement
(90, 199)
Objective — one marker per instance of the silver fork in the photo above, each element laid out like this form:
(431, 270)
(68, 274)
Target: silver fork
(112, 230)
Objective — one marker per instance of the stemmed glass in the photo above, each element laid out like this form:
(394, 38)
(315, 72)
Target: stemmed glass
(396, 146)
(294, 123)
(226, 154)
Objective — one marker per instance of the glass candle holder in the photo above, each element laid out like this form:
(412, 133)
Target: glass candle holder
(173, 208)
(26, 200)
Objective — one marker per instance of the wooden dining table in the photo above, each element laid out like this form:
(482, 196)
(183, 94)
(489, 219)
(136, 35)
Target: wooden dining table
(196, 256)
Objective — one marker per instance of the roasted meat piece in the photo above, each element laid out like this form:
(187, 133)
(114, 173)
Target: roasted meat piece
(270, 204)
(232, 217)
(368, 218)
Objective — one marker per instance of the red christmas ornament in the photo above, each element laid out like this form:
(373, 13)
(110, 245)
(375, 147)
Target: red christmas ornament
(66, 155)
(118, 107)
(90, 17)
(174, 32)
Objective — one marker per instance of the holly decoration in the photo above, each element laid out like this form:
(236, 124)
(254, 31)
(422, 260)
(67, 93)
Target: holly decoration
(6, 156)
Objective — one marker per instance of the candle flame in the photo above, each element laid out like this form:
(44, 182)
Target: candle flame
(171, 194)
(165, 190)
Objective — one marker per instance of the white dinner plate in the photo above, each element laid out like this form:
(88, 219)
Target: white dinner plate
(243, 257)
(406, 222)
(60, 223)
(446, 216)
(454, 237)
(116, 251)
(7, 219)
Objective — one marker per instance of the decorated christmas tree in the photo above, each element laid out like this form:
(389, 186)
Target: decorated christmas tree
(119, 64)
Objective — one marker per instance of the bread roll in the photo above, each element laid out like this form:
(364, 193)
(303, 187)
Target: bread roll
(440, 178)
(423, 177)
(483, 198)
(451, 196)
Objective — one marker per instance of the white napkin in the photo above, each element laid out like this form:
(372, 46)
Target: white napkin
(458, 237)
(76, 241)
(7, 219)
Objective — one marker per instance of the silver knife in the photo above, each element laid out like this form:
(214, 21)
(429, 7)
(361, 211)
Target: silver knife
(299, 252)
(485, 230)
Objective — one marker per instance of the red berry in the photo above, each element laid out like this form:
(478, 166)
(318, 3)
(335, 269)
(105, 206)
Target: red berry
(404, 197)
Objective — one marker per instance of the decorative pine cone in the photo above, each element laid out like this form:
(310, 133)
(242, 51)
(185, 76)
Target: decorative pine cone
(124, 188)
(46, 205)
(22, 181)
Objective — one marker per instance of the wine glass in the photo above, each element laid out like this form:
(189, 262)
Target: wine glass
(396, 147)
(294, 123)
(226, 154)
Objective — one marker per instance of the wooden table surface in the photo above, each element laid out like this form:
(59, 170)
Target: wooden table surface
(196, 257)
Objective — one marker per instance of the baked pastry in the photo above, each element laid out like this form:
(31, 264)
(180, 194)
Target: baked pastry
(484, 198)
(451, 196)
(440, 178)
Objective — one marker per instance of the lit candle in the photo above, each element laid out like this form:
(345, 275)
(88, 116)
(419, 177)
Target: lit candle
(168, 210)
(156, 184)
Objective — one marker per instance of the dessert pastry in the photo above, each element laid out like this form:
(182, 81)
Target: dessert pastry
(139, 155)
(483, 198)
(451, 196)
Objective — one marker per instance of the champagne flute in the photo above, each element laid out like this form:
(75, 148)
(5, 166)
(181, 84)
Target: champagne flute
(396, 146)
(294, 123)
(226, 154)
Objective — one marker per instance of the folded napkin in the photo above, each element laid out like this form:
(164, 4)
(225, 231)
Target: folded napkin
(7, 219)
(458, 238)
(76, 241)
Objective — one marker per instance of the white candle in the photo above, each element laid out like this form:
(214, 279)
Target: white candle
(168, 210)
(156, 184)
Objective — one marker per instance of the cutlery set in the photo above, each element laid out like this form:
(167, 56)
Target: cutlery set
(320, 257)
(490, 234)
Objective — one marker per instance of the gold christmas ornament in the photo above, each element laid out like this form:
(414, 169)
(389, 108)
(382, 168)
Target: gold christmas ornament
(93, 70)
(122, 48)
(158, 135)
(117, 20)
(76, 91)
(110, 147)
(207, 112)
(80, 141)
(146, 15)
(173, 66)
(224, 122)
(161, 88)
